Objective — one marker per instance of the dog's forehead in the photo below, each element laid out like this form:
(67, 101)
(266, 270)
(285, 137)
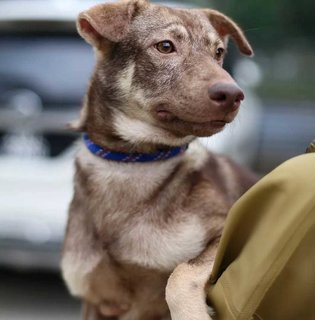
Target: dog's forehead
(180, 21)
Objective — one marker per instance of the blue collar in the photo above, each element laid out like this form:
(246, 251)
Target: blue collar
(132, 157)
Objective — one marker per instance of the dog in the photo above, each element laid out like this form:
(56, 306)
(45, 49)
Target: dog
(145, 223)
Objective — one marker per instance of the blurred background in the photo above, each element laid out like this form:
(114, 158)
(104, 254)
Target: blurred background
(44, 71)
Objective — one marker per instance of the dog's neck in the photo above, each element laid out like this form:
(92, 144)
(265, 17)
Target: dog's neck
(113, 155)
(113, 142)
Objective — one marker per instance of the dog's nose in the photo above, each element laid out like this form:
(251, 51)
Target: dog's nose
(226, 95)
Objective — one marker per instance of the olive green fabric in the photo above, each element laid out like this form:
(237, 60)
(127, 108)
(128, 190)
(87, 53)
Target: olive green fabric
(265, 265)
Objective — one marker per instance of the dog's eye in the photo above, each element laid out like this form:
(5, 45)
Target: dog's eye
(219, 53)
(165, 46)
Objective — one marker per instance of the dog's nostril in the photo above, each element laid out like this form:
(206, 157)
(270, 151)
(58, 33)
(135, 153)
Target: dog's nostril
(240, 97)
(218, 96)
(225, 94)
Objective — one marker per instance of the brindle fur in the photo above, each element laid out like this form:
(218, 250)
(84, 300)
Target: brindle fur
(130, 225)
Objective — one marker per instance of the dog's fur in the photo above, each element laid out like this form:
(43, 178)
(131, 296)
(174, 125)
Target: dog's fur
(130, 225)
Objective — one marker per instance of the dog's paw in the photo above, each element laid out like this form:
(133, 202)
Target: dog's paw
(188, 277)
(112, 309)
(185, 293)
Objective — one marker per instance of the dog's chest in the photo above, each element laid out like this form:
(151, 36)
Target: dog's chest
(135, 230)
(147, 244)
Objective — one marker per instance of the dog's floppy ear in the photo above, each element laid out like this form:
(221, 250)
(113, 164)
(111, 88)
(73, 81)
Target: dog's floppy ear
(108, 22)
(227, 27)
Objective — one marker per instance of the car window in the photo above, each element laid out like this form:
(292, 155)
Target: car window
(56, 68)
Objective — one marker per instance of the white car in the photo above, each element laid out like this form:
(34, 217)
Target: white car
(44, 70)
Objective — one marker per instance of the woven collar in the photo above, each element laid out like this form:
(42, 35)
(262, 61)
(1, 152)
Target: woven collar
(132, 157)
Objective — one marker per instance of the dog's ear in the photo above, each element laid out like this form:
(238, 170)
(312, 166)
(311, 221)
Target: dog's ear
(105, 23)
(227, 27)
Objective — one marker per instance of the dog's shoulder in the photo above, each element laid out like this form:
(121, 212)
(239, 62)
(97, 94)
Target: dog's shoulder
(218, 172)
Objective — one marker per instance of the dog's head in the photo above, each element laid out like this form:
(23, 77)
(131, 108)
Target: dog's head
(159, 76)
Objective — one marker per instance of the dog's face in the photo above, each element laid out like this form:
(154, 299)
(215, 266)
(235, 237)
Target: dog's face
(159, 72)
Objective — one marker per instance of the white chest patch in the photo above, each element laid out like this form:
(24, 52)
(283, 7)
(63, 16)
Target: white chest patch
(152, 247)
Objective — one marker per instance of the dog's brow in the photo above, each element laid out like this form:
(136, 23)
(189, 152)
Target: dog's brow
(173, 24)
(217, 42)
(178, 30)
(212, 40)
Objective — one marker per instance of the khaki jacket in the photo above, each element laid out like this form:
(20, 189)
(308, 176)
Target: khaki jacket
(265, 266)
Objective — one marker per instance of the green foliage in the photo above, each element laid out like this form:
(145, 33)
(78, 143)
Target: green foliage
(271, 22)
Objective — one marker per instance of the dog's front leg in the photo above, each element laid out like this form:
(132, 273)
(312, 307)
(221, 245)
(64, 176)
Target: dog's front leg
(186, 287)
(88, 269)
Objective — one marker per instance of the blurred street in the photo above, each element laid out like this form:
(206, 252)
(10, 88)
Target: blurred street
(35, 296)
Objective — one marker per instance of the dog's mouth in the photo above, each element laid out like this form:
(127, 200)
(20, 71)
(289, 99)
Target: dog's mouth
(190, 124)
(167, 116)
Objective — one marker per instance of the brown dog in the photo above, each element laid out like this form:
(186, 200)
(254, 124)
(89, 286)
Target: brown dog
(158, 84)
